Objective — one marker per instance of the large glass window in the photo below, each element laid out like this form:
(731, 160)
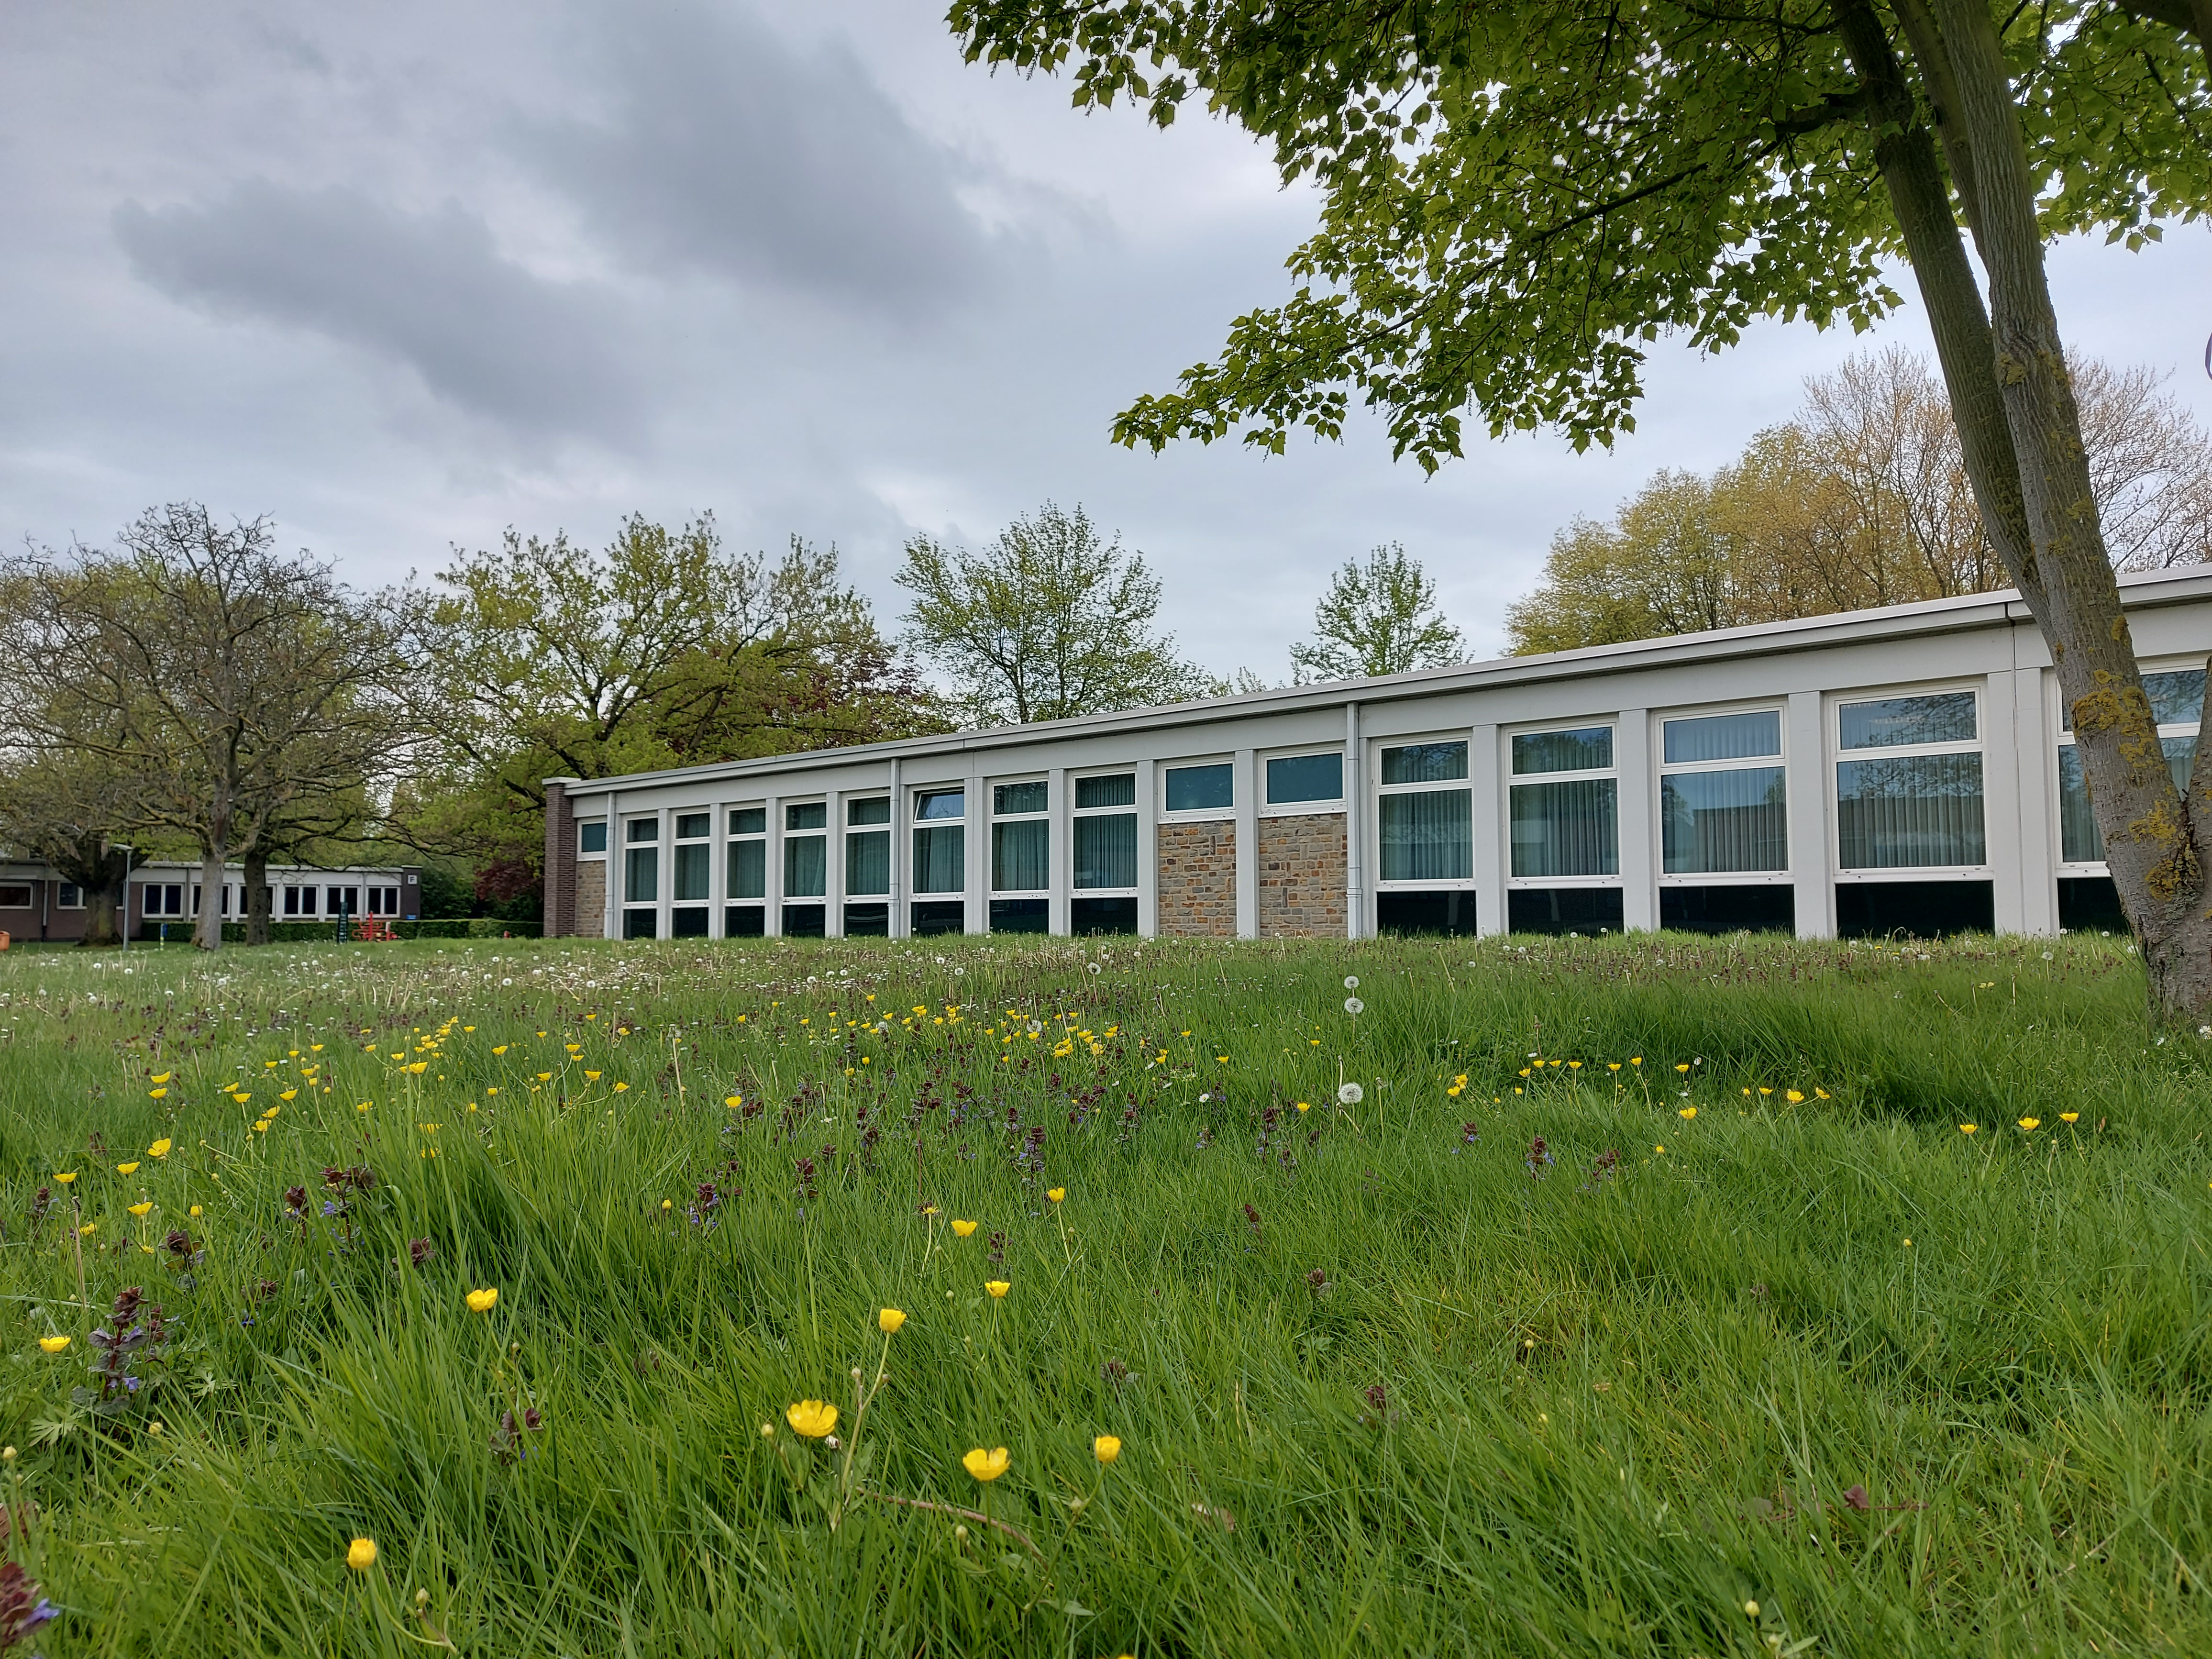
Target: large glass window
(693, 864)
(641, 874)
(1202, 789)
(1293, 778)
(941, 847)
(1424, 834)
(805, 866)
(592, 835)
(1716, 818)
(693, 826)
(1568, 826)
(806, 814)
(1021, 837)
(1918, 805)
(1105, 832)
(868, 851)
(643, 829)
(2177, 700)
(748, 853)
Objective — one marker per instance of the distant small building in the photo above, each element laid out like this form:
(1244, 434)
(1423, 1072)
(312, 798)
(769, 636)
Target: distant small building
(1909, 769)
(36, 903)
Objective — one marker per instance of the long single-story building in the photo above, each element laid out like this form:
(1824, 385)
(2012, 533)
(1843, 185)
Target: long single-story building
(36, 903)
(1901, 770)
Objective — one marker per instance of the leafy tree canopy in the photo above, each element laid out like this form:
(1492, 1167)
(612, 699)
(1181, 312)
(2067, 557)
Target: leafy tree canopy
(1379, 617)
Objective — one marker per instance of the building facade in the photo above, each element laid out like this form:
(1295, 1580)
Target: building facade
(1904, 769)
(36, 903)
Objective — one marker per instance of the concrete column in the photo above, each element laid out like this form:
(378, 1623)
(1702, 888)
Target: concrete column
(1148, 849)
(1355, 826)
(1061, 854)
(772, 883)
(901, 850)
(1810, 786)
(1485, 763)
(833, 865)
(2035, 745)
(664, 860)
(718, 872)
(976, 845)
(618, 868)
(1637, 817)
(1246, 796)
(2002, 807)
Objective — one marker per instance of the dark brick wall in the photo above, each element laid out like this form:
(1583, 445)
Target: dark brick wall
(1301, 876)
(1198, 879)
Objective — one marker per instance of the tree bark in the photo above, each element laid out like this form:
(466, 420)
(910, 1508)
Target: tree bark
(2150, 846)
(207, 930)
(257, 896)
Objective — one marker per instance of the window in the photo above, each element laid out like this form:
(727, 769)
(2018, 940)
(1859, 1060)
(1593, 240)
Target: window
(1918, 803)
(384, 900)
(1717, 817)
(693, 826)
(1568, 826)
(641, 874)
(1104, 838)
(298, 901)
(693, 864)
(748, 853)
(1202, 789)
(1425, 833)
(940, 848)
(592, 835)
(1293, 778)
(806, 854)
(1021, 840)
(167, 898)
(643, 829)
(2177, 702)
(16, 895)
(69, 895)
(868, 852)
(338, 901)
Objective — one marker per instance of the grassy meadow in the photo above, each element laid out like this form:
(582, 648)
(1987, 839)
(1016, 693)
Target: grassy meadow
(1634, 1297)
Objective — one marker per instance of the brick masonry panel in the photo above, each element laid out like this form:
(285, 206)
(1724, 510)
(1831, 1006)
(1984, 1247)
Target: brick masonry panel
(1301, 876)
(1198, 880)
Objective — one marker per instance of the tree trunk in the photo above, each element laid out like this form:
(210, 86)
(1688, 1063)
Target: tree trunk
(2151, 848)
(256, 897)
(101, 926)
(208, 933)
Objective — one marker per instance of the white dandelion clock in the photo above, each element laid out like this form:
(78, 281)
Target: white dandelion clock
(1351, 982)
(1354, 1005)
(1350, 1094)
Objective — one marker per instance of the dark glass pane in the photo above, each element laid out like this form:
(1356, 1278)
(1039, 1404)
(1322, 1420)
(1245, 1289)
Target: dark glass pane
(805, 867)
(1563, 910)
(1913, 810)
(1585, 749)
(1106, 850)
(688, 923)
(868, 862)
(691, 874)
(693, 826)
(1023, 915)
(806, 814)
(1566, 828)
(1088, 916)
(1712, 823)
(1722, 737)
(805, 921)
(2079, 842)
(591, 838)
(1917, 909)
(1740, 908)
(1448, 914)
(940, 804)
(644, 830)
(1118, 790)
(867, 921)
(939, 859)
(1305, 777)
(640, 924)
(1427, 836)
(748, 869)
(1019, 861)
(749, 821)
(1008, 799)
(1425, 762)
(641, 874)
(1947, 717)
(877, 810)
(744, 921)
(937, 916)
(1201, 789)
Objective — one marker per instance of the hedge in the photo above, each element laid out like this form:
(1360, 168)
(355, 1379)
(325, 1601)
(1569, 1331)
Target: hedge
(310, 932)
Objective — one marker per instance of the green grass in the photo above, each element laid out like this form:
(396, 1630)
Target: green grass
(1413, 1400)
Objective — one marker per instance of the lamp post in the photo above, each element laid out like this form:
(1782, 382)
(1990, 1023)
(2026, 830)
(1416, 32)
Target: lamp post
(126, 849)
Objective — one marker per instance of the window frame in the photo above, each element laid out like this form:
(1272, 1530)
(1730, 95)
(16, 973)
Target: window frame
(913, 825)
(598, 823)
(1377, 790)
(1189, 815)
(788, 839)
(1134, 809)
(1039, 815)
(29, 890)
(733, 838)
(1321, 805)
(1662, 768)
(1509, 781)
(2063, 737)
(1831, 731)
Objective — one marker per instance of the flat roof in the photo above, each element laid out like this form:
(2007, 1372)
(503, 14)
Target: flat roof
(2140, 590)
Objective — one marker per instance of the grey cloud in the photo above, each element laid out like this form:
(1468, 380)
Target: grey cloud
(431, 290)
(720, 147)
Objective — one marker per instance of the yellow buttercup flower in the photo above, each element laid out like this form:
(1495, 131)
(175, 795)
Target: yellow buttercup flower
(1057, 1194)
(1794, 1095)
(1688, 1112)
(159, 1149)
(66, 1177)
(156, 1094)
(812, 1418)
(2030, 1124)
(545, 1077)
(127, 1168)
(360, 1554)
(1968, 1129)
(141, 1208)
(888, 1320)
(2068, 1117)
(53, 1343)
(294, 1094)
(1106, 1447)
(501, 1049)
(620, 1087)
(962, 1229)
(196, 1209)
(735, 1101)
(161, 1077)
(997, 1287)
(484, 1301)
(592, 1077)
(987, 1465)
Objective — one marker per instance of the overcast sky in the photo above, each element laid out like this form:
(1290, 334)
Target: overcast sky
(403, 274)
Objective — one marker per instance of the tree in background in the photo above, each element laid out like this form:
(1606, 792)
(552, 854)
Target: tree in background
(1050, 621)
(547, 658)
(1515, 199)
(222, 683)
(64, 810)
(1861, 500)
(1379, 617)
